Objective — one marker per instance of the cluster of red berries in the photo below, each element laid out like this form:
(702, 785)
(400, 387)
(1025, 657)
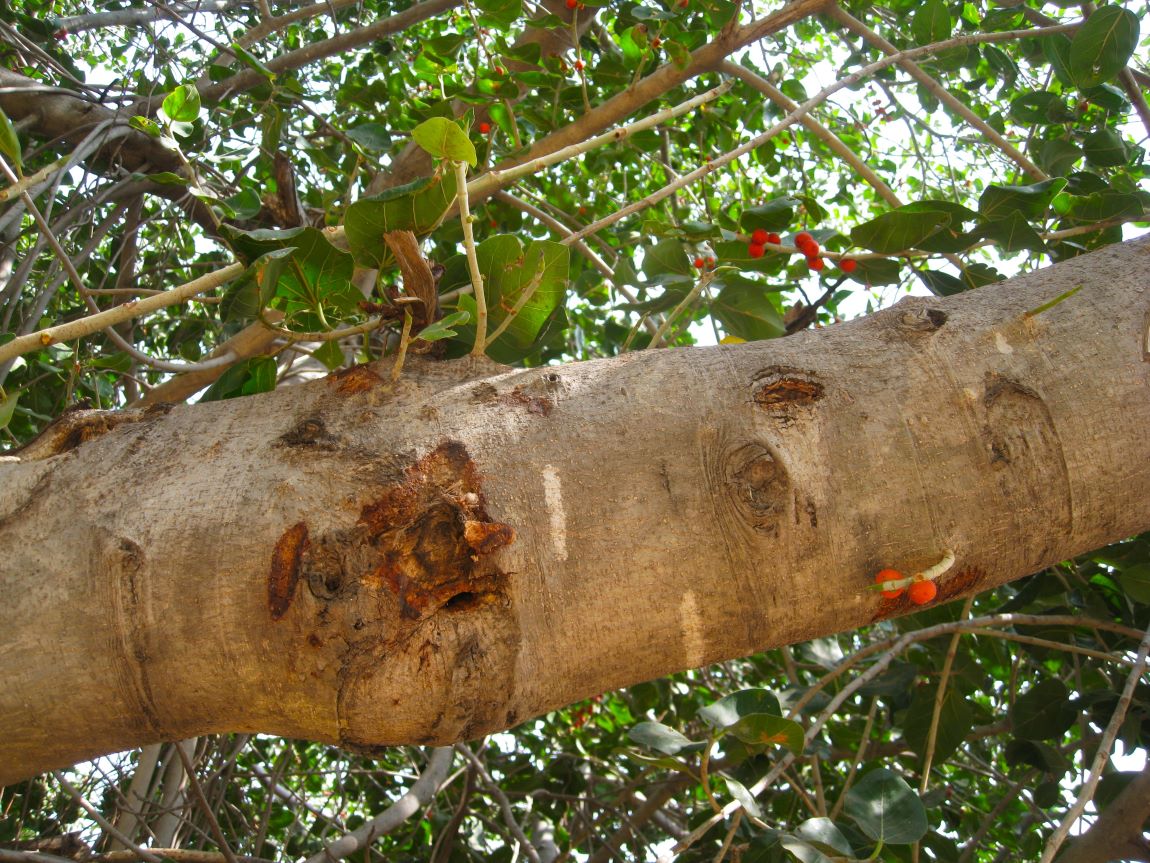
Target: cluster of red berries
(580, 715)
(804, 242)
(759, 239)
(701, 263)
(920, 592)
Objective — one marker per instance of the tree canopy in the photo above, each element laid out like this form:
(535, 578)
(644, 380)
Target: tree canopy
(207, 199)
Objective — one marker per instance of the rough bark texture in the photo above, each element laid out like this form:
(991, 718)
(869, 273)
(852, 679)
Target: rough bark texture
(369, 564)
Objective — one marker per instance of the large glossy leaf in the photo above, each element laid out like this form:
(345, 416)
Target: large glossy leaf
(747, 313)
(417, 207)
(898, 230)
(1044, 712)
(886, 809)
(775, 215)
(954, 723)
(254, 375)
(443, 139)
(746, 702)
(762, 729)
(660, 737)
(1031, 201)
(509, 272)
(312, 282)
(1012, 232)
(1102, 46)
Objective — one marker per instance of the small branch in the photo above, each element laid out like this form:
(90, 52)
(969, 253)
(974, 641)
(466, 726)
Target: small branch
(108, 826)
(404, 339)
(461, 198)
(422, 792)
(209, 815)
(1102, 756)
(495, 791)
(940, 92)
(123, 312)
(524, 297)
(702, 283)
(940, 697)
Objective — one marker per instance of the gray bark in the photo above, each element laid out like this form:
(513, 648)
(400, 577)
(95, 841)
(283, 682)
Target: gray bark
(370, 564)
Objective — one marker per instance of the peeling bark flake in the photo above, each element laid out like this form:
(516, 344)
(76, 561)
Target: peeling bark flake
(284, 574)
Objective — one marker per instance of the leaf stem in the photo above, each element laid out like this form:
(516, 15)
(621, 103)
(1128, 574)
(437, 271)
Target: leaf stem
(472, 260)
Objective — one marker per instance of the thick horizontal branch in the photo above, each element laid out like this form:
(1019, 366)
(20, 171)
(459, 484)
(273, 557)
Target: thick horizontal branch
(371, 563)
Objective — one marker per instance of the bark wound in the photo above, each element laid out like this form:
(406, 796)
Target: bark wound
(541, 405)
(784, 392)
(357, 379)
(311, 433)
(429, 533)
(77, 427)
(285, 568)
(761, 486)
(1025, 451)
(924, 320)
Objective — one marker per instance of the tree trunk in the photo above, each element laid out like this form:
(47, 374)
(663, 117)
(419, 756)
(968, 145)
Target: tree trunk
(370, 564)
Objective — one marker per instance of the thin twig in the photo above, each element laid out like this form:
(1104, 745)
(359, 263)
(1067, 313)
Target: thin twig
(1102, 756)
(495, 791)
(209, 814)
(940, 697)
(108, 826)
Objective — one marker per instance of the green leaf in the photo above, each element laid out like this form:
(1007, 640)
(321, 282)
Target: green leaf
(898, 230)
(1105, 148)
(1135, 581)
(1013, 233)
(931, 23)
(818, 840)
(330, 354)
(886, 809)
(441, 329)
(1036, 754)
(1044, 712)
(1031, 201)
(8, 408)
(443, 139)
(417, 207)
(182, 105)
(254, 375)
(739, 791)
(10, 143)
(499, 13)
(666, 256)
(762, 729)
(748, 314)
(301, 273)
(660, 737)
(1040, 107)
(1102, 46)
(954, 723)
(371, 136)
(252, 61)
(775, 215)
(509, 271)
(746, 702)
